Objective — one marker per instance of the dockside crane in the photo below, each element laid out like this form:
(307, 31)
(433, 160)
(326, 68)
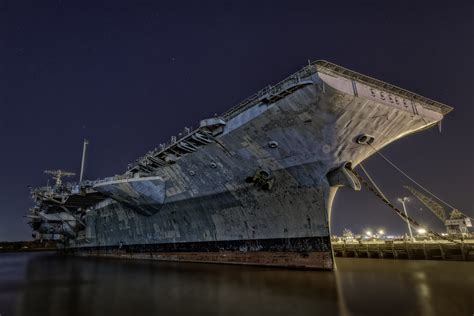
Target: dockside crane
(456, 224)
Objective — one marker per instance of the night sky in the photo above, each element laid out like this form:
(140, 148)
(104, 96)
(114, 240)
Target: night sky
(128, 75)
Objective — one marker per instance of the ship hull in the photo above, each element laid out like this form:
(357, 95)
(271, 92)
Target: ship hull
(301, 253)
(256, 185)
(285, 226)
(211, 212)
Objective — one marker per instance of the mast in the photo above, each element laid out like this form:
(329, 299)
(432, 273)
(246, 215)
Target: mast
(84, 149)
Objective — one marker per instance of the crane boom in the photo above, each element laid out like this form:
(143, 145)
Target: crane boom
(434, 206)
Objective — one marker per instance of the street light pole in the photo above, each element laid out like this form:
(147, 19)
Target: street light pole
(403, 201)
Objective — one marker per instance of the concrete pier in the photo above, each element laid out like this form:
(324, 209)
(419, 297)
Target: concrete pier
(427, 250)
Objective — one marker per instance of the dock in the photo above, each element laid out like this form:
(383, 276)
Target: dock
(420, 250)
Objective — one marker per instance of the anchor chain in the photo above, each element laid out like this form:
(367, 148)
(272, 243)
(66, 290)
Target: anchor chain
(398, 211)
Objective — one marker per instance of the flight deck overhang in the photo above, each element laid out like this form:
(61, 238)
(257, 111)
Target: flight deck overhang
(144, 195)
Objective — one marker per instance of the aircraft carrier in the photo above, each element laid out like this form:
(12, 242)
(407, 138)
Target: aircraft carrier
(253, 185)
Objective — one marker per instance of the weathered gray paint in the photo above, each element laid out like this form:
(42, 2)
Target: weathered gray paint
(143, 195)
(315, 131)
(205, 195)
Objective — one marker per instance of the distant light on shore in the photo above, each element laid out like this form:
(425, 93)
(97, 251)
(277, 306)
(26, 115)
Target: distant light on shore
(421, 231)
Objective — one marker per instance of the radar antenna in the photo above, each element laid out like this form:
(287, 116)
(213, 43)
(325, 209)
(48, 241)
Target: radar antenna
(58, 174)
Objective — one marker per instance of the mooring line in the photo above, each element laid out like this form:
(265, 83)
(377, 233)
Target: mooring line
(398, 211)
(409, 178)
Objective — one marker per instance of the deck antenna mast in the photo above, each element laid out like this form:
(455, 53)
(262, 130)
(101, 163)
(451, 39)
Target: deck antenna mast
(84, 149)
(58, 174)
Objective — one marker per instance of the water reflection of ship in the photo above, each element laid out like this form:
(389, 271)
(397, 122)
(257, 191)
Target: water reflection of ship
(58, 285)
(55, 285)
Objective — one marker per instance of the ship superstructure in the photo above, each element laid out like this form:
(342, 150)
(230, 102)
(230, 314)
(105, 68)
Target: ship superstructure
(254, 185)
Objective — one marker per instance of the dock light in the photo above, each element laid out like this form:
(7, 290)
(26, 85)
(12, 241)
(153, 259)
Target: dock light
(421, 231)
(381, 232)
(368, 233)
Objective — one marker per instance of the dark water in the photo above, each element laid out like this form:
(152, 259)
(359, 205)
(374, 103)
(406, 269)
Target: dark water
(48, 284)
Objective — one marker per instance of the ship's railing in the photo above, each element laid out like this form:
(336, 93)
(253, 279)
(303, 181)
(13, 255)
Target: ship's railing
(325, 66)
(155, 158)
(91, 183)
(270, 93)
(73, 187)
(257, 97)
(299, 78)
